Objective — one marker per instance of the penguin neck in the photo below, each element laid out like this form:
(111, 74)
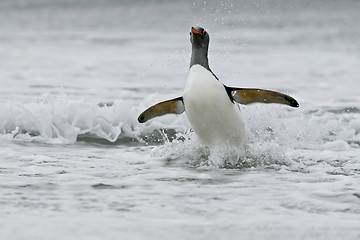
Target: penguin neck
(200, 56)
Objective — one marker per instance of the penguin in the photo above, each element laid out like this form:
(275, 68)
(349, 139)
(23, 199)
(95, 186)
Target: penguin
(212, 107)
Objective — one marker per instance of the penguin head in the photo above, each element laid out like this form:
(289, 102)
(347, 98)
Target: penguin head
(199, 38)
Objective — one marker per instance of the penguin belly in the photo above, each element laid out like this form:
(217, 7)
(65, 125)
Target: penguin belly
(211, 113)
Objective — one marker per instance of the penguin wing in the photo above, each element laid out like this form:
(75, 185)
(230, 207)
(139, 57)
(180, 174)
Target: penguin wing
(175, 106)
(253, 95)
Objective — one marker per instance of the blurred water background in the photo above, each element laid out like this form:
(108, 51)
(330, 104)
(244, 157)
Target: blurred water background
(76, 164)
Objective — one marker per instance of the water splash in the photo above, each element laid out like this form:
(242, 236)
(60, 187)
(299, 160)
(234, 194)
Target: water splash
(278, 136)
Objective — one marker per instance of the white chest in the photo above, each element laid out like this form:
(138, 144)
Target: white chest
(212, 115)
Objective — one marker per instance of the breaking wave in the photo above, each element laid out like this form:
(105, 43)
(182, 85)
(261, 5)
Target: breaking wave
(278, 135)
(55, 119)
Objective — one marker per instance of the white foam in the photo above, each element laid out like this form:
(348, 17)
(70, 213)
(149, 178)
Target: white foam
(277, 134)
(60, 119)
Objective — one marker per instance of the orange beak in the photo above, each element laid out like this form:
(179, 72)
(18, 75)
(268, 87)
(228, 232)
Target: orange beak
(195, 31)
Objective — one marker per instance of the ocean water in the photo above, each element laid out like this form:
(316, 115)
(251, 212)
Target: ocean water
(76, 164)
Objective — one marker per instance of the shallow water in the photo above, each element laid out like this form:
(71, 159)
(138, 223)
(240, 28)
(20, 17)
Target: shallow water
(75, 164)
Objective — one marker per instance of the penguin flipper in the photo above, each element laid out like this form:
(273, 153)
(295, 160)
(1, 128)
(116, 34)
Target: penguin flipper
(175, 106)
(253, 95)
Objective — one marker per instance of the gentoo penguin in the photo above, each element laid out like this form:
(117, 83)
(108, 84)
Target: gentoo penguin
(210, 105)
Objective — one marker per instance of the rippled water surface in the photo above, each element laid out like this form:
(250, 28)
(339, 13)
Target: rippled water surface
(76, 164)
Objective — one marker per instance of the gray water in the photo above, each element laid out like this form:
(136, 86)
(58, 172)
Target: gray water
(76, 164)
